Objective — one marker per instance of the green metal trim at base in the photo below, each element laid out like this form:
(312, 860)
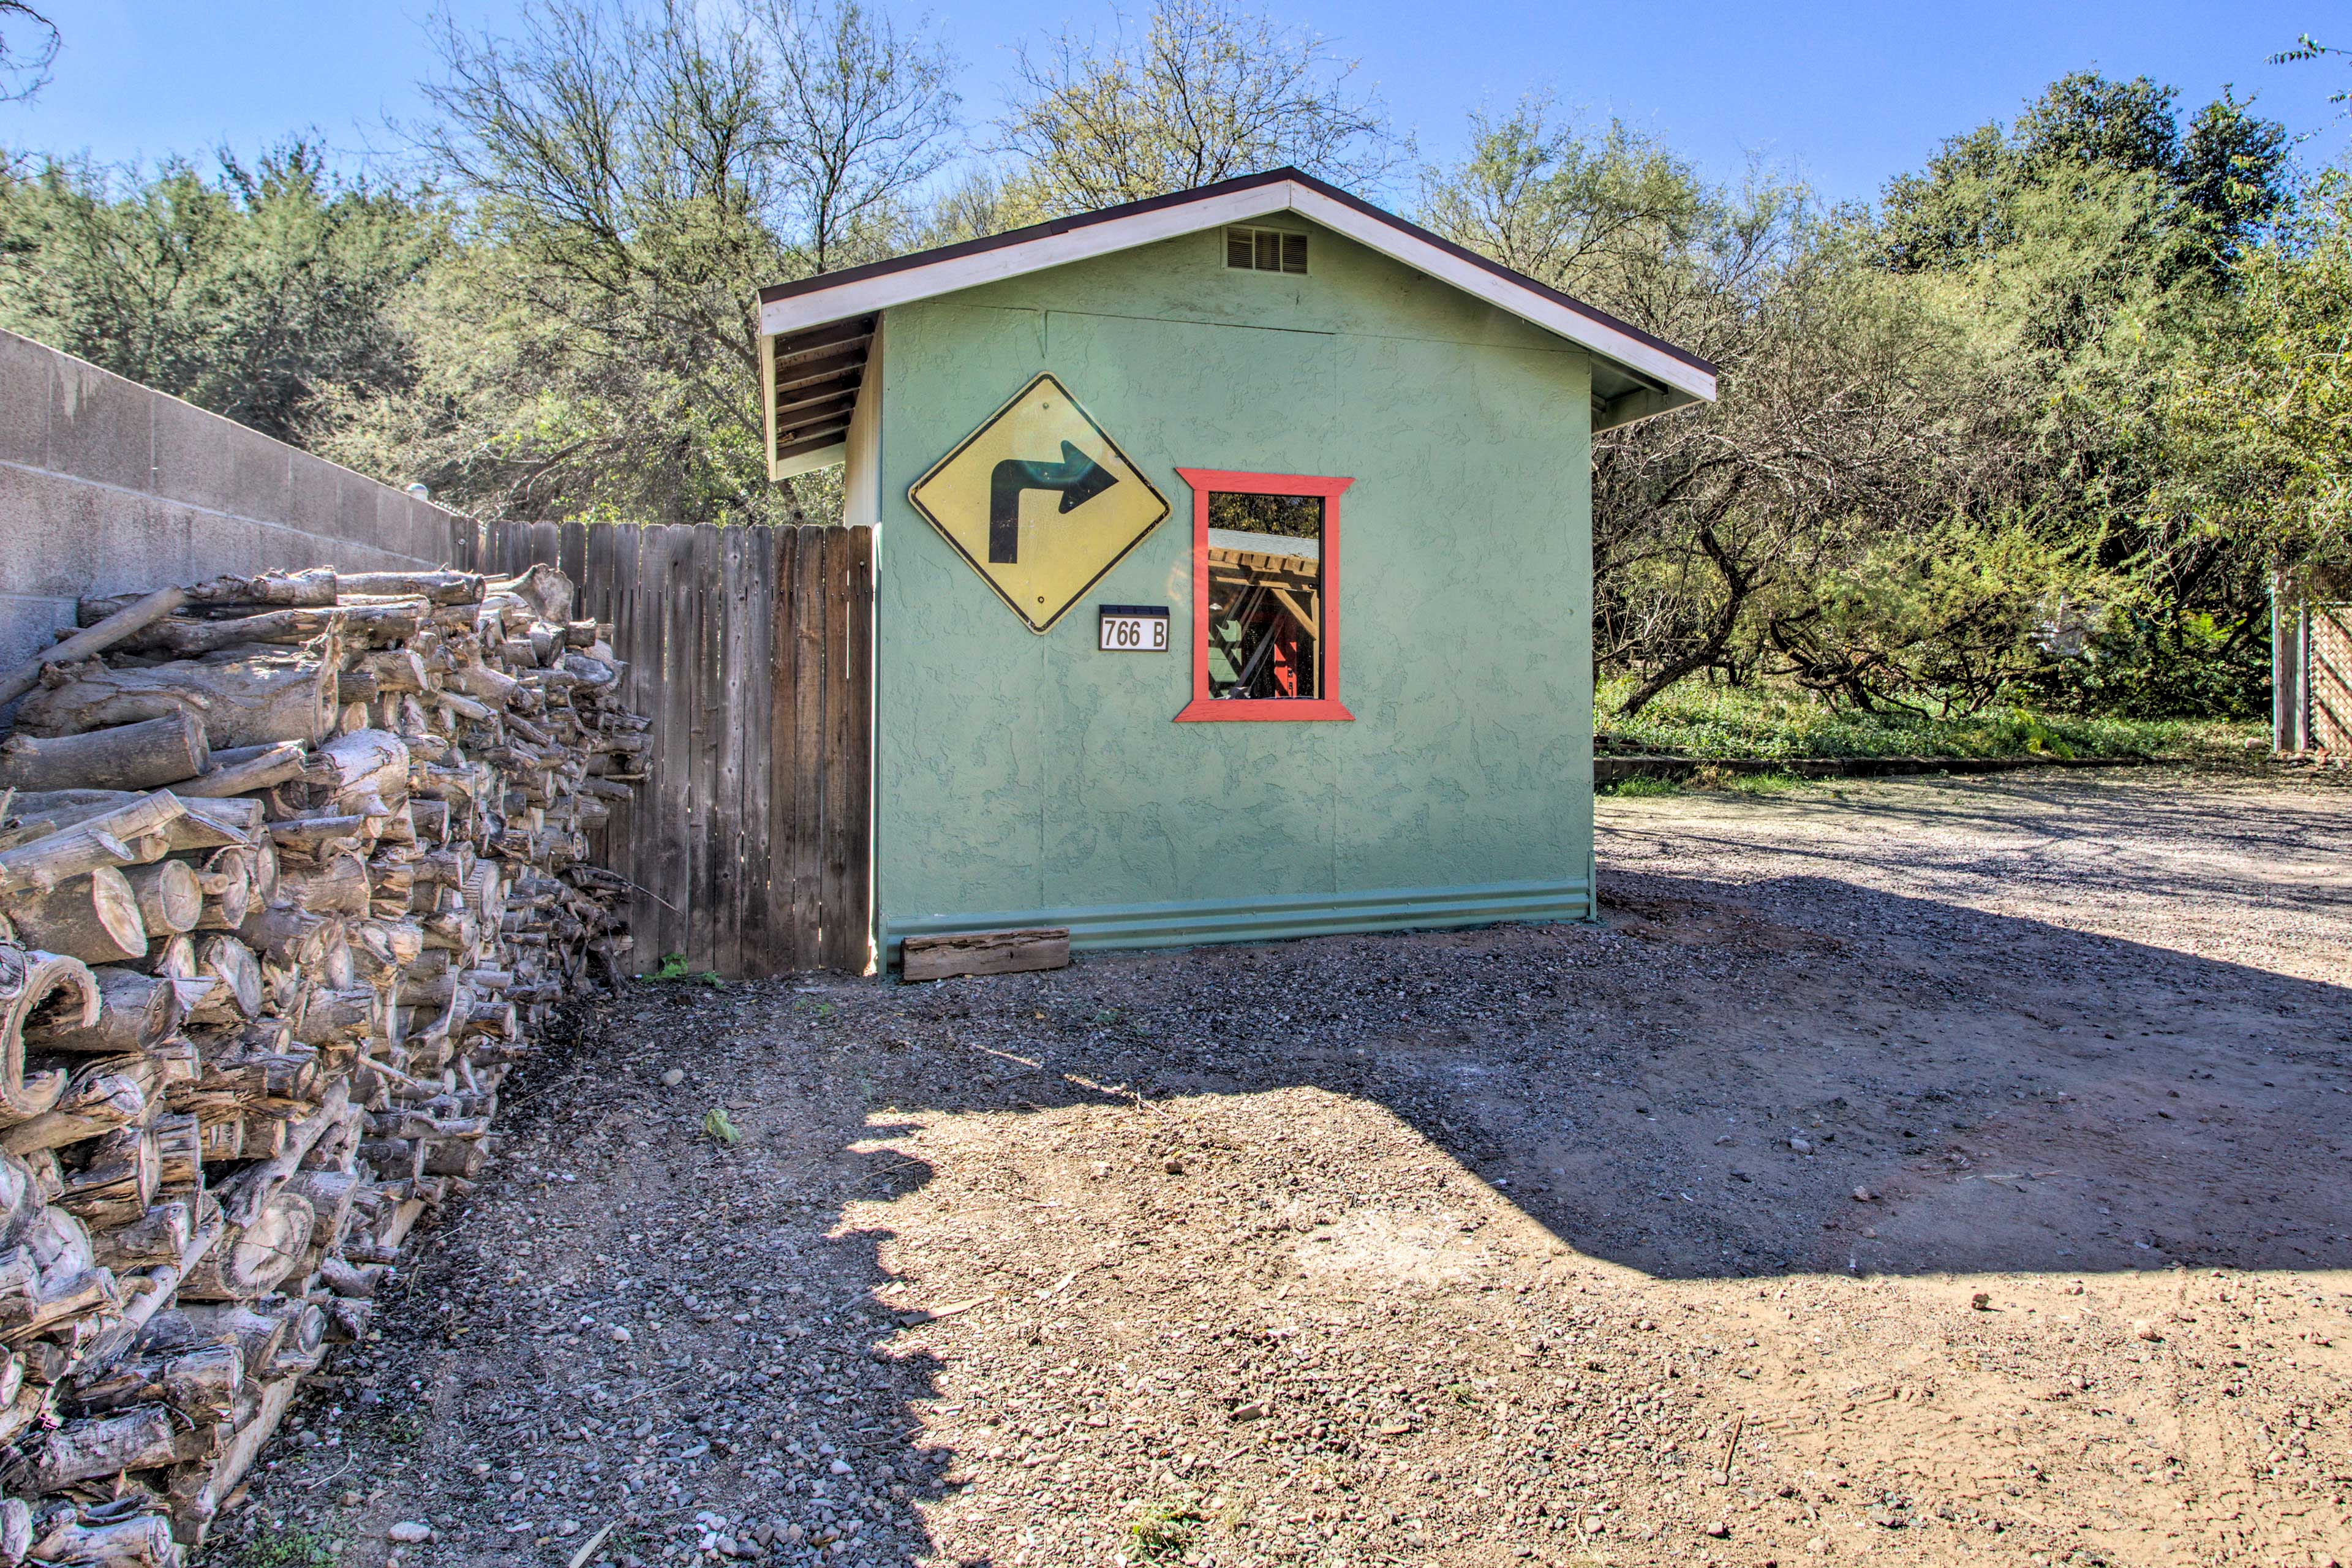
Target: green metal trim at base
(1268, 919)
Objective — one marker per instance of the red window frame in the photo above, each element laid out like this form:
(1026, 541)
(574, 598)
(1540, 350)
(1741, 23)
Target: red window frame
(1205, 709)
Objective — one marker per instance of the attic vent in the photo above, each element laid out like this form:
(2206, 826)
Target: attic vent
(1265, 250)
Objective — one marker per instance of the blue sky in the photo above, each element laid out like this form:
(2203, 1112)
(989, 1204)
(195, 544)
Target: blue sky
(1845, 93)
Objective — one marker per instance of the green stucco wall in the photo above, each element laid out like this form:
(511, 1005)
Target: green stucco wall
(1026, 779)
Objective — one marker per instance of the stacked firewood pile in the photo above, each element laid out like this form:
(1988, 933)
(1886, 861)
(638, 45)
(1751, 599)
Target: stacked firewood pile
(288, 879)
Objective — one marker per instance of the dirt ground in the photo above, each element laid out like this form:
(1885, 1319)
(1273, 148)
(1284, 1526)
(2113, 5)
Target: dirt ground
(1935, 1171)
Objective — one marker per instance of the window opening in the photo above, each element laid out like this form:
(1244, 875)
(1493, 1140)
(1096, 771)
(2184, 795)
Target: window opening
(1266, 595)
(1266, 575)
(1265, 250)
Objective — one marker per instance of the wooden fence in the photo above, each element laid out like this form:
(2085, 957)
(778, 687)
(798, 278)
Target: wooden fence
(751, 651)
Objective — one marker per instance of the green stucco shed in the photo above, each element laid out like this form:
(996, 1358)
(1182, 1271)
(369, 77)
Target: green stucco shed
(1380, 718)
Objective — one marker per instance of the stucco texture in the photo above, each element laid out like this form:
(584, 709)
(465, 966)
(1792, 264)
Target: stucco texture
(1032, 779)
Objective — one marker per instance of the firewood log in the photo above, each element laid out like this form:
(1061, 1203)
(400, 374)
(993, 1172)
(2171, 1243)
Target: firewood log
(252, 1259)
(183, 636)
(333, 1196)
(317, 835)
(454, 1157)
(33, 1299)
(245, 696)
(134, 1439)
(156, 1239)
(134, 1012)
(186, 825)
(334, 884)
(329, 1016)
(373, 677)
(225, 879)
(169, 899)
(86, 842)
(225, 959)
(546, 591)
(128, 756)
(117, 1180)
(437, 587)
(273, 765)
(119, 1534)
(95, 1102)
(313, 588)
(42, 993)
(95, 918)
(291, 936)
(198, 1384)
(355, 1281)
(365, 762)
(92, 918)
(179, 1164)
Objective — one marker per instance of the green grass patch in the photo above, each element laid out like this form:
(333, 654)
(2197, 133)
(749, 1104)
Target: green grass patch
(1694, 720)
(284, 1548)
(1638, 788)
(674, 967)
(1750, 783)
(1707, 778)
(1164, 1532)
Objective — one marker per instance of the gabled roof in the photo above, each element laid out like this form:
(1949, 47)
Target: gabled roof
(821, 327)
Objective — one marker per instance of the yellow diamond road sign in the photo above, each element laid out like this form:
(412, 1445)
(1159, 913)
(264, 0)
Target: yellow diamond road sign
(1040, 500)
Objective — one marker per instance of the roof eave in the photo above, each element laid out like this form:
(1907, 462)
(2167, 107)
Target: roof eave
(1633, 407)
(793, 307)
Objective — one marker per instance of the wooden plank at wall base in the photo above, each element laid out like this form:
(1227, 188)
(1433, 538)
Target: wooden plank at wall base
(807, 753)
(985, 953)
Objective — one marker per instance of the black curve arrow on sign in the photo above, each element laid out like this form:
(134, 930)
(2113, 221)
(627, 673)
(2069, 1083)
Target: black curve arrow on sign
(1078, 477)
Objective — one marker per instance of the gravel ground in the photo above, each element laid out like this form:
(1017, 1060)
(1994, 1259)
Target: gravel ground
(1932, 1171)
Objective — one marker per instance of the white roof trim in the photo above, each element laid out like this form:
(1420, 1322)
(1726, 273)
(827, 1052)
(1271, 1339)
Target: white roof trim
(959, 273)
(1550, 314)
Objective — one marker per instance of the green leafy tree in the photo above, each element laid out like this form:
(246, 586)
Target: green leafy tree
(2210, 189)
(2262, 425)
(1712, 526)
(263, 292)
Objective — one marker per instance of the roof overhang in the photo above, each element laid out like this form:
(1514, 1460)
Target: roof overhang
(1651, 376)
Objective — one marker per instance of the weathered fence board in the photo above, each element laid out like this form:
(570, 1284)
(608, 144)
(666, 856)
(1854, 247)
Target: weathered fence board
(752, 650)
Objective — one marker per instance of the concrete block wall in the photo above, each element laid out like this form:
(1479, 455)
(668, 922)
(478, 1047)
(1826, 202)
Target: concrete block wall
(108, 487)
